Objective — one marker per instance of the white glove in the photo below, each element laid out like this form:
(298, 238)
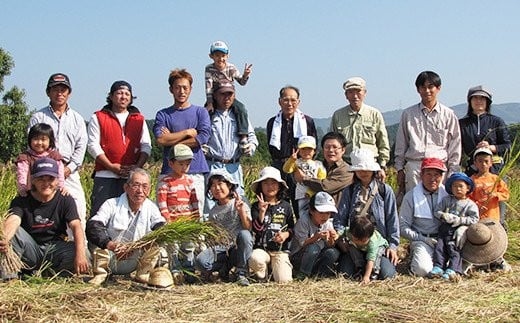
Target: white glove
(205, 149)
(456, 222)
(460, 236)
(247, 149)
(448, 217)
(431, 242)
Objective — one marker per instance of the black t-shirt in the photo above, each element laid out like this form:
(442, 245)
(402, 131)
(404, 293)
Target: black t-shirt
(45, 221)
(279, 216)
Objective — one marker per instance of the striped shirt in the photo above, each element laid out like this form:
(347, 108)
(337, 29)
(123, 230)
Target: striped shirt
(214, 75)
(177, 197)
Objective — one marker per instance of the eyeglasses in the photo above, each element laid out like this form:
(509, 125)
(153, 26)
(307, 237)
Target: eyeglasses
(136, 186)
(289, 100)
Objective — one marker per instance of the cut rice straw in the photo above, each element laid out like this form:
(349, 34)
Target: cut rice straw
(10, 263)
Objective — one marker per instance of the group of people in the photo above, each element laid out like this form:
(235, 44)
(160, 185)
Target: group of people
(309, 218)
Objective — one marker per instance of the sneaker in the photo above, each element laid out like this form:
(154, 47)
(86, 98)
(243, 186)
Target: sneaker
(242, 280)
(449, 274)
(436, 272)
(502, 266)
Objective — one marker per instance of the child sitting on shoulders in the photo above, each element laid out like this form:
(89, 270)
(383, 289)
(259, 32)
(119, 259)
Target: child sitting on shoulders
(308, 166)
(273, 223)
(454, 211)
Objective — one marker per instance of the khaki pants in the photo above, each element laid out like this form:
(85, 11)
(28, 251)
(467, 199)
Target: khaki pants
(280, 264)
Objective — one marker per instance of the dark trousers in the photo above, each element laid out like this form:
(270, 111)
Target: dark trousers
(445, 250)
(104, 189)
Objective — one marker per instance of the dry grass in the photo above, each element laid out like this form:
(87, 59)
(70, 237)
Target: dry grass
(484, 297)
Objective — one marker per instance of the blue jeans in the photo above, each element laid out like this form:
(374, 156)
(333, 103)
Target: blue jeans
(223, 258)
(313, 260)
(354, 259)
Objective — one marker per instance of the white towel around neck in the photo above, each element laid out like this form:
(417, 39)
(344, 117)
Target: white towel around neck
(421, 207)
(299, 128)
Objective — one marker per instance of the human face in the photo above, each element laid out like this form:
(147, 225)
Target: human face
(332, 151)
(483, 163)
(121, 99)
(431, 179)
(355, 97)
(219, 59)
(44, 187)
(289, 102)
(220, 191)
(270, 188)
(180, 167)
(428, 93)
(478, 104)
(138, 189)
(224, 100)
(181, 90)
(459, 189)
(306, 153)
(40, 144)
(318, 218)
(58, 94)
(364, 176)
(360, 242)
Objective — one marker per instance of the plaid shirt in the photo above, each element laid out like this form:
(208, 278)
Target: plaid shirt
(214, 75)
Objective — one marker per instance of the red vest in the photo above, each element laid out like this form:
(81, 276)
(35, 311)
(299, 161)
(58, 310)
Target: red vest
(117, 150)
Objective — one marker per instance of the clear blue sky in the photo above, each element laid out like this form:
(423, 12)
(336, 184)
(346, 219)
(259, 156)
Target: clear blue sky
(314, 45)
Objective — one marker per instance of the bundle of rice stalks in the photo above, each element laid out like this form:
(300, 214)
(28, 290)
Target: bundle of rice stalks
(10, 263)
(184, 229)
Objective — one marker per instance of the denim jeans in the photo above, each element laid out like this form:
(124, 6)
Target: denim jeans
(312, 260)
(354, 259)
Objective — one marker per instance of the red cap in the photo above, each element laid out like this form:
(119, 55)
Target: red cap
(434, 163)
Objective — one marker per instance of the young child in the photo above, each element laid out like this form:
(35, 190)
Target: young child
(309, 167)
(367, 248)
(273, 223)
(221, 71)
(176, 195)
(489, 191)
(41, 143)
(234, 215)
(454, 210)
(314, 238)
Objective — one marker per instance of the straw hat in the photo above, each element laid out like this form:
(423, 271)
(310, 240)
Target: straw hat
(486, 242)
(161, 277)
(269, 172)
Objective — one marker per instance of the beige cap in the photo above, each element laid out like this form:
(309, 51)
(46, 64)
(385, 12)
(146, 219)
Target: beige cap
(355, 83)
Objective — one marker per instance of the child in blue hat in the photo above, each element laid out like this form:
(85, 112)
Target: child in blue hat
(456, 212)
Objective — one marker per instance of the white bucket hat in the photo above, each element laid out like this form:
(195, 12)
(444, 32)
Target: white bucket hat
(323, 202)
(363, 159)
(269, 172)
(224, 173)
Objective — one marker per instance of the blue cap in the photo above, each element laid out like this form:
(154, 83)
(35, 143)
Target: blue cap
(44, 166)
(459, 177)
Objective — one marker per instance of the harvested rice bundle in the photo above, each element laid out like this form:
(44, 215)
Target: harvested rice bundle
(10, 263)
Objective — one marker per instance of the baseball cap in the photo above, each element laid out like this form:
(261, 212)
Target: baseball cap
(323, 202)
(482, 150)
(224, 87)
(57, 79)
(479, 90)
(181, 152)
(120, 84)
(307, 142)
(219, 46)
(44, 166)
(435, 163)
(354, 83)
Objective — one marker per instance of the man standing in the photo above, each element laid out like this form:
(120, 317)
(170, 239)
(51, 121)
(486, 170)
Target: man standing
(119, 140)
(224, 148)
(184, 123)
(416, 217)
(362, 125)
(284, 130)
(121, 220)
(38, 223)
(70, 133)
(427, 129)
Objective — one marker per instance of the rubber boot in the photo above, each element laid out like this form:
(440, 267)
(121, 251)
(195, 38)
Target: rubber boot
(146, 263)
(100, 264)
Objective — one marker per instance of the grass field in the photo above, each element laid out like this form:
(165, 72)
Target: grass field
(482, 297)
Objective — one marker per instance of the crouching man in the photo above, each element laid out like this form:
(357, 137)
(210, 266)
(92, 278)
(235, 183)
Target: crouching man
(37, 226)
(121, 220)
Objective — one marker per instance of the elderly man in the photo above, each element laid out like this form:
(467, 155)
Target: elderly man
(119, 140)
(120, 220)
(284, 130)
(70, 133)
(38, 223)
(427, 129)
(362, 125)
(416, 216)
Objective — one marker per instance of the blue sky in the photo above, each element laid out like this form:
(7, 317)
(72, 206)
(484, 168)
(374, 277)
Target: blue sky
(314, 45)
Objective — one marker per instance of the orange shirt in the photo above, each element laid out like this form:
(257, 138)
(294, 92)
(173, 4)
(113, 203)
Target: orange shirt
(487, 197)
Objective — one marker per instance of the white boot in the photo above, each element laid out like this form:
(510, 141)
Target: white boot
(145, 264)
(100, 266)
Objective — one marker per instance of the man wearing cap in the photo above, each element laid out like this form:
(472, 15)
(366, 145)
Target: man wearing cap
(37, 226)
(284, 129)
(426, 129)
(416, 217)
(119, 140)
(121, 220)
(184, 123)
(70, 133)
(224, 148)
(362, 125)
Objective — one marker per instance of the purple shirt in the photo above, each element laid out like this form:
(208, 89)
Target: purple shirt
(180, 119)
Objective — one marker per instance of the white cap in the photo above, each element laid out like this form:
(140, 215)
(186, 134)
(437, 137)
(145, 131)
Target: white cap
(323, 202)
